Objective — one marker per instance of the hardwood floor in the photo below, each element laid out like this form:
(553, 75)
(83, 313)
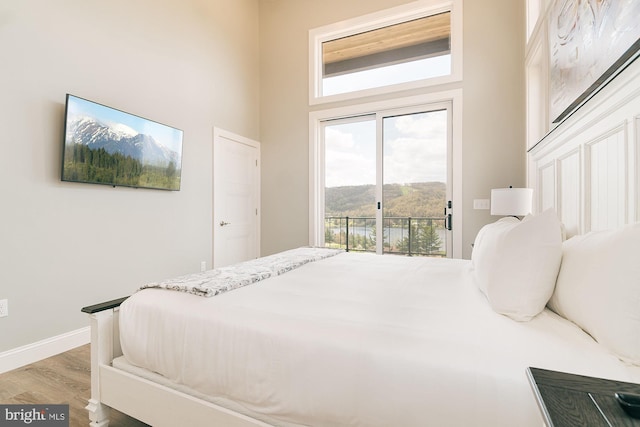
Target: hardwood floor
(61, 379)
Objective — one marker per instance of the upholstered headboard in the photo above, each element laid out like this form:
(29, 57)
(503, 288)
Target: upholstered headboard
(587, 167)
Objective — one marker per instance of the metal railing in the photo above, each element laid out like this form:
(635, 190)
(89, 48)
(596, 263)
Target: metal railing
(401, 235)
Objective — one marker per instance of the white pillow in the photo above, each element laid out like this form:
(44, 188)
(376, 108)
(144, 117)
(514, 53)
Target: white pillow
(515, 263)
(598, 288)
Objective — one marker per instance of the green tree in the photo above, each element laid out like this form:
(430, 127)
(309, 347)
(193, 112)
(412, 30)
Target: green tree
(428, 238)
(424, 239)
(328, 235)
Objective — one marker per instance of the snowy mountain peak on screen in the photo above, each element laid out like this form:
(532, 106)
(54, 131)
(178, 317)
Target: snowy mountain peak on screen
(123, 130)
(119, 139)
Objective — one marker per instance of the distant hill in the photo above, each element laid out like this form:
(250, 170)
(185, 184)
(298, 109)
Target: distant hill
(425, 199)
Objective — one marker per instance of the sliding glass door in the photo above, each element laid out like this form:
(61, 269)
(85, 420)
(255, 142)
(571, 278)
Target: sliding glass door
(387, 182)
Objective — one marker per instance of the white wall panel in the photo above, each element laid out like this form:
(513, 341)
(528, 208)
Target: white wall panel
(546, 187)
(634, 162)
(596, 155)
(569, 192)
(606, 181)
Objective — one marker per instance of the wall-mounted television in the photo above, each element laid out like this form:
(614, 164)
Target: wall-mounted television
(103, 145)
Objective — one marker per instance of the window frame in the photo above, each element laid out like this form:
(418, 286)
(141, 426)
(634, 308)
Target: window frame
(373, 21)
(316, 155)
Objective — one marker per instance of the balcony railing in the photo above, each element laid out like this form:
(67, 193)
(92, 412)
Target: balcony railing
(401, 235)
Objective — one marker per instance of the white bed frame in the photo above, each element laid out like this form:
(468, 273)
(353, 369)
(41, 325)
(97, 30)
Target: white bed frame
(142, 399)
(587, 169)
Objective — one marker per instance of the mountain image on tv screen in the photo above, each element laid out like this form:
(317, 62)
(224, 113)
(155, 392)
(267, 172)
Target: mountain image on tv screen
(103, 145)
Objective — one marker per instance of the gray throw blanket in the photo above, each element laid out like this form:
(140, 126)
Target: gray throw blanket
(217, 281)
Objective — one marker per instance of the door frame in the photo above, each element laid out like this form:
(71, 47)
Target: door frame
(316, 155)
(219, 133)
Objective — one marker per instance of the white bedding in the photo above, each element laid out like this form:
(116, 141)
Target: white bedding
(359, 339)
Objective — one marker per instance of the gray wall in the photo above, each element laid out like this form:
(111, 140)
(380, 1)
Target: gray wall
(192, 64)
(494, 147)
(493, 108)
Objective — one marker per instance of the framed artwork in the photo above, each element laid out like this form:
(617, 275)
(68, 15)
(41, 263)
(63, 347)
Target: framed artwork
(590, 42)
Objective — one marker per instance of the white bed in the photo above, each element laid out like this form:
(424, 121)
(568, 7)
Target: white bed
(354, 339)
(357, 340)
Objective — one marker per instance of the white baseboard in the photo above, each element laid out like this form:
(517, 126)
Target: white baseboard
(30, 353)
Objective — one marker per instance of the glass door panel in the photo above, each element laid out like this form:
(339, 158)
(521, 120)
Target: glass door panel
(350, 184)
(414, 189)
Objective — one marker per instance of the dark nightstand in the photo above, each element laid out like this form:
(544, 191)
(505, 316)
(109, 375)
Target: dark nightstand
(574, 400)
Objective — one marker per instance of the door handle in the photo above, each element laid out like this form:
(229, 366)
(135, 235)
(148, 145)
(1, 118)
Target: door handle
(223, 223)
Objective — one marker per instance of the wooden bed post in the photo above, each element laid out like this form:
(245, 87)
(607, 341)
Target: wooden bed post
(105, 345)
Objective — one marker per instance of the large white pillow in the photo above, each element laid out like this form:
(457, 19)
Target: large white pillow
(515, 263)
(598, 288)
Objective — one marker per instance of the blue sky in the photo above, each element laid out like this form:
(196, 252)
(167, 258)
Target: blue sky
(415, 150)
(163, 134)
(383, 76)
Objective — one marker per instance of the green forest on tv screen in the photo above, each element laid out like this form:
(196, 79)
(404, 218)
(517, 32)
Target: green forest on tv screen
(84, 164)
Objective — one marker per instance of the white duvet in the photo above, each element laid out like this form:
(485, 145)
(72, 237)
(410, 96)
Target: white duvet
(359, 340)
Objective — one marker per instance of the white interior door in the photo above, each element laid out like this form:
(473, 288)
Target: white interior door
(236, 198)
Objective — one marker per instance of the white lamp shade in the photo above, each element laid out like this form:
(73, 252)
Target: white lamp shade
(511, 201)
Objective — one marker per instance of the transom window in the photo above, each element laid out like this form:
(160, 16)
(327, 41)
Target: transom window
(393, 50)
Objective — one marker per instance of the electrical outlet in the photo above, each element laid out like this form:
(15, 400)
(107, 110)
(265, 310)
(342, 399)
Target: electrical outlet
(4, 308)
(203, 265)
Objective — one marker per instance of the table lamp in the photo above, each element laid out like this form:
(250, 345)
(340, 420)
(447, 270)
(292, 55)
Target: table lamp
(511, 201)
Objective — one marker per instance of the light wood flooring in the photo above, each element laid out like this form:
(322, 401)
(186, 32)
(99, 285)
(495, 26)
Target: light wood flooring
(61, 379)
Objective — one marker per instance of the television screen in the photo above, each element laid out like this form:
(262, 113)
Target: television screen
(103, 145)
